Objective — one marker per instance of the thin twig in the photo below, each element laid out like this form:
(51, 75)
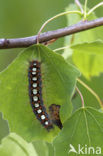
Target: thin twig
(94, 8)
(54, 17)
(79, 5)
(92, 92)
(85, 9)
(81, 96)
(61, 48)
(47, 36)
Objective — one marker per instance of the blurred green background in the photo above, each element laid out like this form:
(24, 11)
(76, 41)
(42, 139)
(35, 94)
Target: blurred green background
(22, 18)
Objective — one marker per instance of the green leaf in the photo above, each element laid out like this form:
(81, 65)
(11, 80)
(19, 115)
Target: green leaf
(84, 128)
(4, 128)
(88, 57)
(50, 149)
(43, 148)
(58, 81)
(15, 145)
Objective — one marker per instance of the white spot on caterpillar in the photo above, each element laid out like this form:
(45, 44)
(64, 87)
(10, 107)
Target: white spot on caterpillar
(35, 98)
(42, 117)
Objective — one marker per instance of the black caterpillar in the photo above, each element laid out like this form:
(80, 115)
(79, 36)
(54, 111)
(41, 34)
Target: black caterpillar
(35, 93)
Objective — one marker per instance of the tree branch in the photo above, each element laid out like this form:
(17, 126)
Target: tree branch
(47, 36)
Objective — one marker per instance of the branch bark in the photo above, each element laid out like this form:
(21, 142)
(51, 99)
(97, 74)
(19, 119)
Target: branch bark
(47, 36)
